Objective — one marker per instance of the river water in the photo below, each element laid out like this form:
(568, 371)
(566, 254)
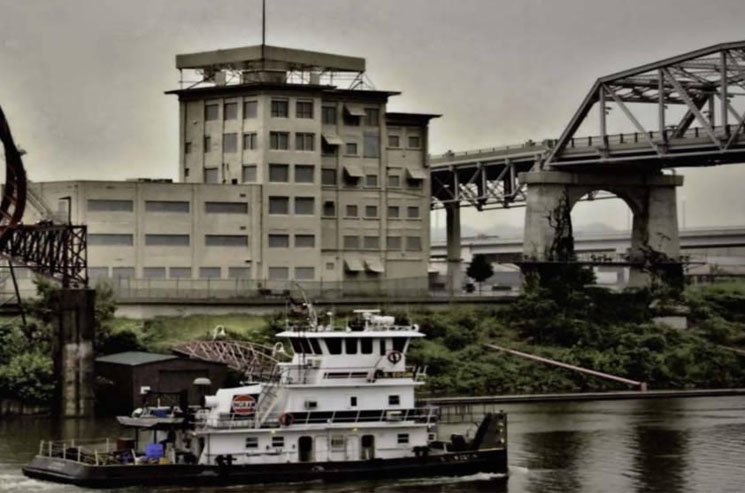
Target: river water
(665, 445)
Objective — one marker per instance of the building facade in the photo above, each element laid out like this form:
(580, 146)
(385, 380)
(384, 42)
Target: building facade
(285, 177)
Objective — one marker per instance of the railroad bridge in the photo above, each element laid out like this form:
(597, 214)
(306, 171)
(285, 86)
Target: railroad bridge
(684, 111)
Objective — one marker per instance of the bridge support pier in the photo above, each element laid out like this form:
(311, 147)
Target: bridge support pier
(72, 351)
(452, 227)
(651, 198)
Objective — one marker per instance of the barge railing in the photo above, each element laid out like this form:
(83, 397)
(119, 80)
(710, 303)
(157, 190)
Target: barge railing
(95, 451)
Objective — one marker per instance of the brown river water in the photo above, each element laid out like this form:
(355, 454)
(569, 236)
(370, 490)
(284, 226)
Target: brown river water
(656, 445)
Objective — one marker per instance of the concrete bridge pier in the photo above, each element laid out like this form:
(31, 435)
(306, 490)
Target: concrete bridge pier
(651, 198)
(452, 228)
(72, 351)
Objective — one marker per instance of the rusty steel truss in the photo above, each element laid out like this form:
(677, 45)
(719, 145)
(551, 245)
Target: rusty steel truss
(254, 361)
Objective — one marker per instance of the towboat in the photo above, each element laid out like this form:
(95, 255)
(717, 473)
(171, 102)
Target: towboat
(343, 408)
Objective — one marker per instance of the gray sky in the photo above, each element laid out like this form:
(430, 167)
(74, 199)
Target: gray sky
(83, 80)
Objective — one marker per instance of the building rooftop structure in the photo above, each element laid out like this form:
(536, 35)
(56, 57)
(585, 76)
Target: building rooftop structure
(134, 358)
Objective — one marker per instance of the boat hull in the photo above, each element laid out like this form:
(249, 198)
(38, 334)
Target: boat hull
(450, 464)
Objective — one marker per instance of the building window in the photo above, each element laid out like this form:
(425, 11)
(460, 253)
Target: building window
(351, 120)
(371, 211)
(329, 208)
(99, 205)
(304, 109)
(123, 272)
(371, 180)
(413, 244)
(226, 207)
(211, 112)
(305, 241)
(207, 143)
(239, 272)
(393, 243)
(249, 109)
(372, 117)
(304, 141)
(249, 141)
(351, 210)
(154, 272)
(111, 239)
(304, 173)
(230, 142)
(279, 241)
(371, 144)
(166, 206)
(328, 115)
(328, 177)
(279, 273)
(279, 205)
(371, 242)
(393, 212)
(93, 272)
(249, 173)
(402, 438)
(351, 242)
(279, 141)
(394, 400)
(209, 272)
(278, 441)
(252, 442)
(412, 212)
(394, 141)
(304, 205)
(304, 273)
(211, 175)
(329, 266)
(230, 111)
(187, 147)
(226, 240)
(279, 173)
(414, 142)
(179, 272)
(394, 181)
(351, 148)
(280, 108)
(166, 240)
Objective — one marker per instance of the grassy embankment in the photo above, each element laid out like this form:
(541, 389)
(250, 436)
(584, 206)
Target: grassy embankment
(609, 332)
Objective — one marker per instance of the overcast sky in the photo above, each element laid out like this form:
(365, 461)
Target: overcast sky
(82, 81)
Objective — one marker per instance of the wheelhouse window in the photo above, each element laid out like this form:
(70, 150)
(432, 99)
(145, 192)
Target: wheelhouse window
(333, 345)
(315, 346)
(399, 343)
(394, 400)
(366, 346)
(350, 345)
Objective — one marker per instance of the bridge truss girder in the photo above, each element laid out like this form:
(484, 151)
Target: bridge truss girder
(711, 78)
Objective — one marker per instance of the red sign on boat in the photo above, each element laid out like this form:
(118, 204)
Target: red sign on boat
(244, 404)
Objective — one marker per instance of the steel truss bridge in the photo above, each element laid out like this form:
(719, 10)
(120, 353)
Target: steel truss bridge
(706, 86)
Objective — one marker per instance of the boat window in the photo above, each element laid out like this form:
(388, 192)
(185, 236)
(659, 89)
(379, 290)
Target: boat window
(403, 438)
(366, 346)
(306, 346)
(353, 401)
(399, 343)
(394, 400)
(351, 345)
(334, 346)
(296, 345)
(278, 441)
(382, 347)
(316, 347)
(337, 442)
(252, 442)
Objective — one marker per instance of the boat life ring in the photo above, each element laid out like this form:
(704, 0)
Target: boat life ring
(395, 356)
(286, 419)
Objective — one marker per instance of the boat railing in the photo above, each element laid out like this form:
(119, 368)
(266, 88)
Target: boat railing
(95, 451)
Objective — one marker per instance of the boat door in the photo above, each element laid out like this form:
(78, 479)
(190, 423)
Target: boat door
(305, 448)
(353, 447)
(367, 448)
(322, 450)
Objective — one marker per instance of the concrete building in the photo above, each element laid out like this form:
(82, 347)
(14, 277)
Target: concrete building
(285, 176)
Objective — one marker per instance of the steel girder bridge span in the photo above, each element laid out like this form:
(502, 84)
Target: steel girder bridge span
(683, 111)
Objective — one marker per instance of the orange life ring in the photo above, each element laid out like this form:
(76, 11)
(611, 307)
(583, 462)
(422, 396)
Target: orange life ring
(286, 419)
(395, 356)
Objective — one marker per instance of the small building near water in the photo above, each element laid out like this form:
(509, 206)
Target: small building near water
(122, 379)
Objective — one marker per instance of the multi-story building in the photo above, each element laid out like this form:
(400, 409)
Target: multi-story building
(285, 177)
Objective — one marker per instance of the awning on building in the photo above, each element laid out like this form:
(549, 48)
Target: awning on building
(354, 109)
(432, 270)
(374, 264)
(353, 265)
(416, 174)
(333, 139)
(354, 170)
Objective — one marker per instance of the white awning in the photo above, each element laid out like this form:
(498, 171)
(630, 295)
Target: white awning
(353, 265)
(354, 109)
(354, 170)
(416, 174)
(333, 139)
(374, 264)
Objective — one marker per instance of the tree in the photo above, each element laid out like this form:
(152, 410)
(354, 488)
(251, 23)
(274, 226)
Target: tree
(480, 269)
